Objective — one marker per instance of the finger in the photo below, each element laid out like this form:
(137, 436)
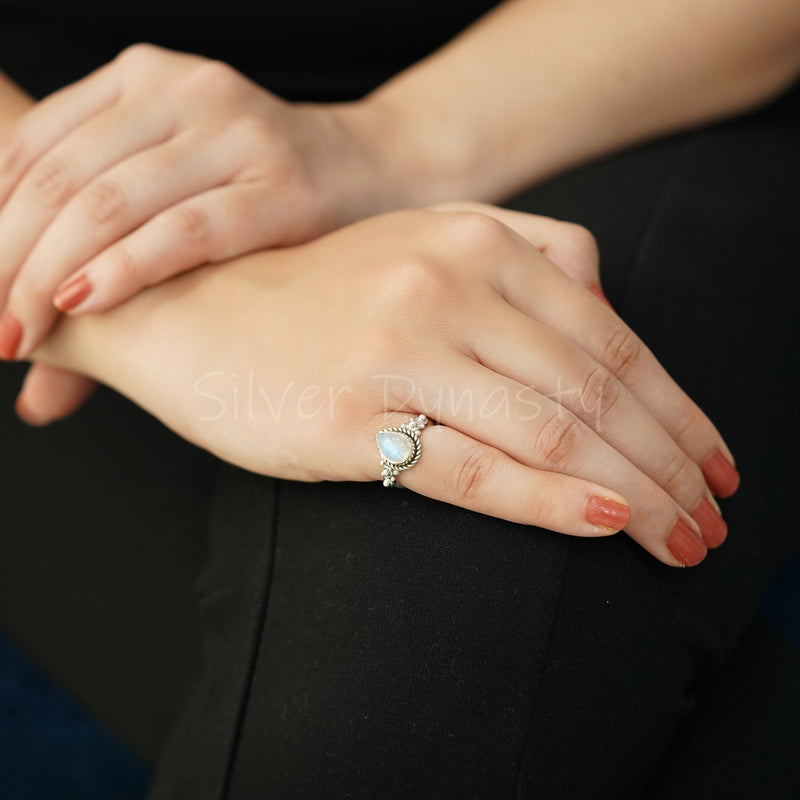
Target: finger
(49, 394)
(209, 227)
(457, 469)
(65, 169)
(110, 207)
(542, 434)
(563, 372)
(606, 338)
(51, 120)
(572, 248)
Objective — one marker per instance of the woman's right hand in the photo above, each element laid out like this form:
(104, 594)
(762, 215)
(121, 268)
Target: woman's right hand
(157, 163)
(552, 412)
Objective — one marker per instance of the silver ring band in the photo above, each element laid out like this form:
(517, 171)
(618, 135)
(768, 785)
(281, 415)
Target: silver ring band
(400, 448)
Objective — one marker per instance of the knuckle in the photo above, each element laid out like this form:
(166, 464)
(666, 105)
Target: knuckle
(653, 509)
(192, 222)
(135, 55)
(558, 441)
(689, 424)
(257, 134)
(407, 283)
(106, 202)
(581, 241)
(471, 231)
(219, 71)
(50, 181)
(123, 262)
(600, 393)
(212, 77)
(622, 352)
(544, 504)
(678, 472)
(474, 468)
(289, 179)
(673, 471)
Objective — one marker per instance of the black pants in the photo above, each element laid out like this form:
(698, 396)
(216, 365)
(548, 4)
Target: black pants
(344, 641)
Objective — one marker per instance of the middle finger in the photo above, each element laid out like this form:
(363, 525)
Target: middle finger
(513, 344)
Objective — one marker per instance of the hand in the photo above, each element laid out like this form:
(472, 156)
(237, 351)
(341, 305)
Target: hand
(551, 409)
(153, 165)
(50, 394)
(80, 182)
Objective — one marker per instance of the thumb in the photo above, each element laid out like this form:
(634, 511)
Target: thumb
(49, 394)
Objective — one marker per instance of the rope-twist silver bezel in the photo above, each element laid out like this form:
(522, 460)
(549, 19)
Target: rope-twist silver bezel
(411, 429)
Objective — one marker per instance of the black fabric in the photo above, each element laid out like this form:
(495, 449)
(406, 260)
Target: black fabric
(101, 535)
(410, 649)
(299, 49)
(360, 643)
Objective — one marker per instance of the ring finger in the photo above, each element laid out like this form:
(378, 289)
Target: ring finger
(457, 469)
(542, 434)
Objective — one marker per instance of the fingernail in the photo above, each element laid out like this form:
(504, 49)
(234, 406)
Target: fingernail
(712, 526)
(598, 292)
(26, 415)
(721, 475)
(608, 513)
(685, 545)
(72, 293)
(10, 336)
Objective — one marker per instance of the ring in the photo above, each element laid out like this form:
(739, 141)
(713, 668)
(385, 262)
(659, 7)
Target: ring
(400, 448)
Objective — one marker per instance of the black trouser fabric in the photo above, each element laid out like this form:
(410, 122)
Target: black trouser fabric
(364, 643)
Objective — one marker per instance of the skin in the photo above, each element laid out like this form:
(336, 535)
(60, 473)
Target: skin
(215, 166)
(199, 352)
(70, 201)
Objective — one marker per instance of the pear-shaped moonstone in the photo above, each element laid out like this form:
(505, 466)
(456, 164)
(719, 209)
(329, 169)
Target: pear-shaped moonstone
(395, 447)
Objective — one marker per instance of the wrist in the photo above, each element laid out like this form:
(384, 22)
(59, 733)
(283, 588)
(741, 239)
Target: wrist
(415, 156)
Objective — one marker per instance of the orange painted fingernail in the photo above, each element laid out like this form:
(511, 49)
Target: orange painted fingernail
(721, 475)
(608, 513)
(72, 293)
(10, 336)
(712, 526)
(685, 545)
(598, 293)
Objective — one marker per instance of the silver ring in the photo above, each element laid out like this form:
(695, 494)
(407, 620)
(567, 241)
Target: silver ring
(400, 448)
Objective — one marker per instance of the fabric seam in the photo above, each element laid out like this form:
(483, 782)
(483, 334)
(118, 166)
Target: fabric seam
(258, 635)
(545, 662)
